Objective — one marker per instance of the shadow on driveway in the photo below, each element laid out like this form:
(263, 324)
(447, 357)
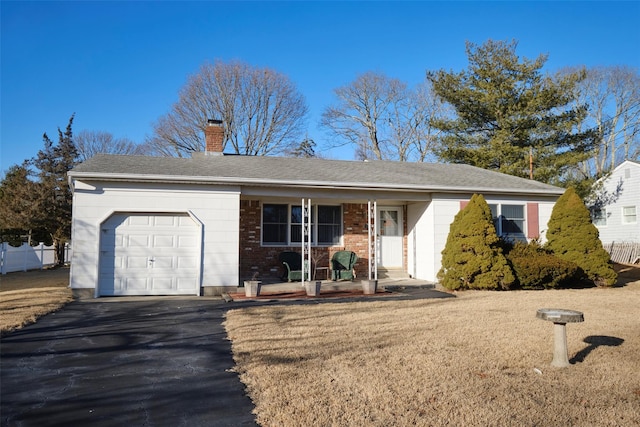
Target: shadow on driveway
(151, 362)
(148, 361)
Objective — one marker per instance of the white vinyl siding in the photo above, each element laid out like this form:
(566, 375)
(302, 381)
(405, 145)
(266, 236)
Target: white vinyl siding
(622, 191)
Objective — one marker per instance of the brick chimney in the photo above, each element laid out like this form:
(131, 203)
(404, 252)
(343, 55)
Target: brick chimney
(214, 137)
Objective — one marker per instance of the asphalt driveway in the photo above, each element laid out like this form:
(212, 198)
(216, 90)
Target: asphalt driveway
(129, 362)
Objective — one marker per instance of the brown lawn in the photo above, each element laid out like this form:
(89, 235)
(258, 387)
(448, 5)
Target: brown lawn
(26, 296)
(479, 359)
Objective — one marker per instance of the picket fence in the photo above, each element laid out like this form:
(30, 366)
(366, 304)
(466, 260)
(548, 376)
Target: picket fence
(28, 257)
(623, 252)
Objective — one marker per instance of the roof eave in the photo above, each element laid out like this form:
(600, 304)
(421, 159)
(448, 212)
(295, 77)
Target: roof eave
(303, 184)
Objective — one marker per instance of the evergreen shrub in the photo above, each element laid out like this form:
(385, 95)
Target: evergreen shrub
(572, 237)
(537, 268)
(472, 257)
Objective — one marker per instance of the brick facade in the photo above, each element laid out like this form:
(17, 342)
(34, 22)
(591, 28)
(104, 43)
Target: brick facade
(264, 260)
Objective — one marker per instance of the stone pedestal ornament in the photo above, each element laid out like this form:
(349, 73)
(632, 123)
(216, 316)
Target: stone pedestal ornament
(560, 318)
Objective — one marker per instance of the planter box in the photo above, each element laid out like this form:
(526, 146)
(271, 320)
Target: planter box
(252, 288)
(313, 288)
(369, 287)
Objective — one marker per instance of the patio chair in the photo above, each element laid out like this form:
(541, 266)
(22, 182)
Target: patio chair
(292, 262)
(342, 265)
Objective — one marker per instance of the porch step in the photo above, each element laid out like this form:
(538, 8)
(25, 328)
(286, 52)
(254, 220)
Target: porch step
(392, 273)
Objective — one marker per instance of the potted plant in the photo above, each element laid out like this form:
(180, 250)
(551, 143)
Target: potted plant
(252, 287)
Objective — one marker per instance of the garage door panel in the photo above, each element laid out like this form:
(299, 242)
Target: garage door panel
(162, 262)
(136, 262)
(162, 283)
(138, 220)
(187, 262)
(187, 241)
(168, 221)
(164, 241)
(136, 284)
(149, 254)
(187, 284)
(137, 241)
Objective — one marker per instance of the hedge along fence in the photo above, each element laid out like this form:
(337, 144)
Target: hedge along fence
(623, 252)
(28, 257)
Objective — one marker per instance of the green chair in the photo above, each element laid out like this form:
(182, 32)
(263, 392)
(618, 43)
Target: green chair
(342, 265)
(292, 262)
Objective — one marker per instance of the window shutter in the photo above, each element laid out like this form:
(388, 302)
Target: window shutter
(533, 224)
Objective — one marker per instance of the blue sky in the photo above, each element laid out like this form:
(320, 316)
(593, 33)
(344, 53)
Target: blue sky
(119, 65)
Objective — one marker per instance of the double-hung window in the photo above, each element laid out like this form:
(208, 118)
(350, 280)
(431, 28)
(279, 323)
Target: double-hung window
(629, 215)
(599, 217)
(282, 225)
(509, 219)
(275, 224)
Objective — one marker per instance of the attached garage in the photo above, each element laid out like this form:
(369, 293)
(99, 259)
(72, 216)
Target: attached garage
(149, 254)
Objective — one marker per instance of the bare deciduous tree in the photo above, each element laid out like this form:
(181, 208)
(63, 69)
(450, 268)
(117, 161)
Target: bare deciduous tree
(383, 118)
(425, 107)
(91, 142)
(262, 111)
(359, 115)
(613, 96)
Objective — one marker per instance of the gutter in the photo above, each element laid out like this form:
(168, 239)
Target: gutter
(120, 177)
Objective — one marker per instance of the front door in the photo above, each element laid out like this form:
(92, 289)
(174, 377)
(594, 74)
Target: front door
(390, 231)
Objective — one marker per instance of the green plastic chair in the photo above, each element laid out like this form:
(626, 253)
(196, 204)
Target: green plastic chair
(292, 262)
(342, 265)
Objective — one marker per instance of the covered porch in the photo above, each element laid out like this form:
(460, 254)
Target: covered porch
(377, 231)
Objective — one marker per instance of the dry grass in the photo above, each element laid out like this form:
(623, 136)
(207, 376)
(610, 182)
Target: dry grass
(479, 359)
(27, 296)
(23, 307)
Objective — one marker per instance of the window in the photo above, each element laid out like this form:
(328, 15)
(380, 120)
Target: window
(508, 219)
(282, 224)
(296, 223)
(629, 215)
(274, 224)
(329, 225)
(599, 217)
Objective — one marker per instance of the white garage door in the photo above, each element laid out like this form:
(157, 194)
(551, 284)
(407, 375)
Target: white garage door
(149, 254)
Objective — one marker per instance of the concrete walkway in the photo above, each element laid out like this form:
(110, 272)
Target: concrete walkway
(124, 362)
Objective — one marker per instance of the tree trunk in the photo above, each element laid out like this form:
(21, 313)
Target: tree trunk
(59, 253)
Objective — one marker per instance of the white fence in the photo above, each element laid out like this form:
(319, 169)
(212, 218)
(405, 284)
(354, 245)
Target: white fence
(623, 252)
(27, 257)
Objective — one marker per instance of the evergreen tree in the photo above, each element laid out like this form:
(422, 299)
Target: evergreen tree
(506, 110)
(472, 257)
(54, 198)
(17, 204)
(306, 149)
(572, 236)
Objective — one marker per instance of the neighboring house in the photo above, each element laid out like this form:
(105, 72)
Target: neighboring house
(616, 211)
(199, 226)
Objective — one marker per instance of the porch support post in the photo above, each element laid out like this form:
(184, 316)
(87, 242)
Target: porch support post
(306, 240)
(372, 236)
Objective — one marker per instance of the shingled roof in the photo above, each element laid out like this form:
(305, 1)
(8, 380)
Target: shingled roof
(302, 172)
